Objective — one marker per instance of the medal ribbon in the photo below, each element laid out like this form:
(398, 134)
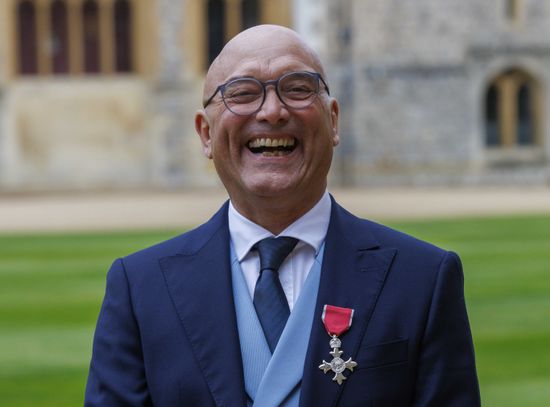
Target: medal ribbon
(337, 320)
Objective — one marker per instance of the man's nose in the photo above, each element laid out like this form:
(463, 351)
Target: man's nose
(273, 110)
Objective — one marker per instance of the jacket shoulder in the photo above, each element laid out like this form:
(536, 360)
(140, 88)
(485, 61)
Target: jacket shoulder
(385, 236)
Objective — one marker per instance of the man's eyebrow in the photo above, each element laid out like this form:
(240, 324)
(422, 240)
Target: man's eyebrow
(232, 78)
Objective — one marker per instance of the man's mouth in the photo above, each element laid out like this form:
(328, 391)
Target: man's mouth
(272, 147)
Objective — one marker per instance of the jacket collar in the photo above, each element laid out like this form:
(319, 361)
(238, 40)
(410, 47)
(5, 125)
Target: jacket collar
(353, 272)
(198, 279)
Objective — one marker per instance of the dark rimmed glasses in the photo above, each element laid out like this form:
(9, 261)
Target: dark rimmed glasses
(246, 96)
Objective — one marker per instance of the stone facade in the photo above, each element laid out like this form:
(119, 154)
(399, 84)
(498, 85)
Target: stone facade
(416, 74)
(411, 78)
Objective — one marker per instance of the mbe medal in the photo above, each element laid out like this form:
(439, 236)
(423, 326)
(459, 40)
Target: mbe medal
(337, 321)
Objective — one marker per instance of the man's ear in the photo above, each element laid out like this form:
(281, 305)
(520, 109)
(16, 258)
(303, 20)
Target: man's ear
(202, 127)
(334, 112)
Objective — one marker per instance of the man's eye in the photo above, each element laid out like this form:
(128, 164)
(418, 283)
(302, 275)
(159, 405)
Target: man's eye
(242, 94)
(299, 89)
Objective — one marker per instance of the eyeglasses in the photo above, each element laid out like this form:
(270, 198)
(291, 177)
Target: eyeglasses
(246, 96)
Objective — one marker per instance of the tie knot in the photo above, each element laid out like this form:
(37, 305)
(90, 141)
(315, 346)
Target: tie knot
(274, 250)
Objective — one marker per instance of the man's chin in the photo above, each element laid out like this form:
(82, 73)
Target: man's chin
(271, 186)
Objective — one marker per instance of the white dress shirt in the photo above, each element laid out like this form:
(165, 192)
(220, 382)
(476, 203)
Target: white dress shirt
(310, 229)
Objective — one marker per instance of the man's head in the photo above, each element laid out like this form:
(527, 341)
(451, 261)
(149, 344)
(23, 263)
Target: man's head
(279, 153)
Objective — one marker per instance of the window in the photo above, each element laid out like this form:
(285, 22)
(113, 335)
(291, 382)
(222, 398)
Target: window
(250, 12)
(28, 50)
(512, 116)
(123, 36)
(216, 28)
(511, 9)
(226, 18)
(514, 13)
(60, 37)
(90, 31)
(73, 37)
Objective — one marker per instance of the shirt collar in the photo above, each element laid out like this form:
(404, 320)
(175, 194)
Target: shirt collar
(310, 229)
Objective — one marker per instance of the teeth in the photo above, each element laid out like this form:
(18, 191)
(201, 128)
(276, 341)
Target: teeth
(254, 143)
(275, 153)
(268, 142)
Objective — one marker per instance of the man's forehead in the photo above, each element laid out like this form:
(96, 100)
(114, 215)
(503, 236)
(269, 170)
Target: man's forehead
(265, 68)
(264, 51)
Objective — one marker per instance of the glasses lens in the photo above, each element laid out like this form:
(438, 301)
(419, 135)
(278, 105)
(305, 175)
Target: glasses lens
(298, 89)
(243, 96)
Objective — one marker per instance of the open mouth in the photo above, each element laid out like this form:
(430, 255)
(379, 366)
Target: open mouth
(272, 147)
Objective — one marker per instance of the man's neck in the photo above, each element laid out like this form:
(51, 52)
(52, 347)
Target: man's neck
(275, 214)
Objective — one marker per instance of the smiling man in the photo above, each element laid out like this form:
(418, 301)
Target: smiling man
(283, 298)
(270, 125)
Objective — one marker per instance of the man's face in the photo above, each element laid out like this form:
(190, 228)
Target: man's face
(296, 170)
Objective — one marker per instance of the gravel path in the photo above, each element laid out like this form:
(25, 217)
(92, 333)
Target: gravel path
(155, 210)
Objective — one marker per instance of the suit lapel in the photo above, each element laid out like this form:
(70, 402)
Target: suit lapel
(353, 273)
(199, 282)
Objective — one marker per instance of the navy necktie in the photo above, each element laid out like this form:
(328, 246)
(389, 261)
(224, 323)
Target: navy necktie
(269, 298)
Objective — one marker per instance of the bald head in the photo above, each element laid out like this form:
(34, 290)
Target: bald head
(261, 45)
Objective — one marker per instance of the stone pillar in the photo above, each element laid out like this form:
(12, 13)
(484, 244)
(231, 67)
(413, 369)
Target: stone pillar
(170, 63)
(233, 22)
(310, 19)
(76, 41)
(195, 36)
(343, 75)
(168, 98)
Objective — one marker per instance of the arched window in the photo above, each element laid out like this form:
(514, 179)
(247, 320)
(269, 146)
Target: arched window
(90, 27)
(27, 41)
(216, 28)
(59, 40)
(123, 36)
(511, 115)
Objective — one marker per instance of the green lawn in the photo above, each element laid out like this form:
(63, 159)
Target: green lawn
(51, 288)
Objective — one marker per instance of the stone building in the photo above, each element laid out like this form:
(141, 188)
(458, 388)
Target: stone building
(100, 94)
(445, 92)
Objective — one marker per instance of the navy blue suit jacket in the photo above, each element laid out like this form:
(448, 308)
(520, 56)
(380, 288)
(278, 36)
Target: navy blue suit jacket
(166, 334)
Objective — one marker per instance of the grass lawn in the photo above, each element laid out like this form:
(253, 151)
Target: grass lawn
(51, 287)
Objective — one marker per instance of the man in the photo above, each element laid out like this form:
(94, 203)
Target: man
(356, 315)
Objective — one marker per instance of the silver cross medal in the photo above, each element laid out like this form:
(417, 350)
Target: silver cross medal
(337, 364)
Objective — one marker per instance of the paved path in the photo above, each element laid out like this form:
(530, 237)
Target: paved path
(153, 210)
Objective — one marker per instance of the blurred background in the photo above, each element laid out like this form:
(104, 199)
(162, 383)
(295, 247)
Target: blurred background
(101, 94)
(444, 134)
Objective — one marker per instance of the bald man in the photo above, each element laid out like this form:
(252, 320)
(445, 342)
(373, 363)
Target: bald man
(282, 298)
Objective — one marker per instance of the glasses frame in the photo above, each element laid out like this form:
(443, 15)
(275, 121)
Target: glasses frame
(275, 83)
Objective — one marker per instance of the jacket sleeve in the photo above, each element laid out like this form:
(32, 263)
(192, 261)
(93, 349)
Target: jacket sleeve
(117, 374)
(446, 375)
